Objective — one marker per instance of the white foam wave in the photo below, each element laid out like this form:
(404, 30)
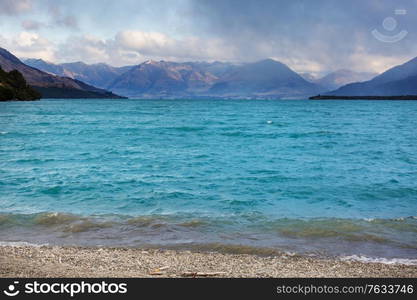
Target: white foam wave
(20, 244)
(381, 260)
(399, 219)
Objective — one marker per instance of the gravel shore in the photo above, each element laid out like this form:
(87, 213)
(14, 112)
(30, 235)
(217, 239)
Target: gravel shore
(28, 261)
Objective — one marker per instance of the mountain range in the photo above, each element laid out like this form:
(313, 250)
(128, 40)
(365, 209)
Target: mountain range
(265, 79)
(100, 75)
(397, 81)
(51, 86)
(339, 78)
(161, 79)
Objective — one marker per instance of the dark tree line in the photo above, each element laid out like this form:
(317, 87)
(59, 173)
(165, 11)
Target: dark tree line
(13, 86)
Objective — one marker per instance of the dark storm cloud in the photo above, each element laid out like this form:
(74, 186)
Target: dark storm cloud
(14, 7)
(32, 25)
(61, 19)
(308, 35)
(329, 32)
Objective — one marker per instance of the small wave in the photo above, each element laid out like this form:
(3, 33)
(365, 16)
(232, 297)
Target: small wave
(63, 222)
(86, 226)
(235, 134)
(143, 221)
(187, 128)
(20, 244)
(380, 231)
(252, 135)
(381, 260)
(314, 134)
(164, 221)
(232, 249)
(53, 190)
(34, 160)
(331, 235)
(70, 223)
(54, 218)
(193, 223)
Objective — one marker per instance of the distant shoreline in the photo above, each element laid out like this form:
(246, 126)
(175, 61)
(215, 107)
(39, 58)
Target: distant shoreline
(405, 97)
(75, 262)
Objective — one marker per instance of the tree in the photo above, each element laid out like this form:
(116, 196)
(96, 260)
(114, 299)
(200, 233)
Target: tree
(13, 86)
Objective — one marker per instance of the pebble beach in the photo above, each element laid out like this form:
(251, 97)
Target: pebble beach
(76, 262)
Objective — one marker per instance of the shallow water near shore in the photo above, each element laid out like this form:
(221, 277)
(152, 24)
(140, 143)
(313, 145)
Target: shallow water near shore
(331, 178)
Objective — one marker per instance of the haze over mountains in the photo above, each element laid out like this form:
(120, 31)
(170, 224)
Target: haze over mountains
(263, 79)
(266, 79)
(100, 75)
(162, 79)
(339, 78)
(51, 86)
(399, 80)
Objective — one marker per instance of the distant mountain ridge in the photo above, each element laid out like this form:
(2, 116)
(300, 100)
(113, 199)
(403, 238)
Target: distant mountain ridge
(267, 79)
(100, 75)
(264, 79)
(397, 81)
(163, 79)
(339, 78)
(51, 86)
(342, 77)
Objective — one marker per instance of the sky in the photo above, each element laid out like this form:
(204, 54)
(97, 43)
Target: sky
(317, 36)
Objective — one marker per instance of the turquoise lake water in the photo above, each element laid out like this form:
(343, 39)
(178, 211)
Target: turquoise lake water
(334, 178)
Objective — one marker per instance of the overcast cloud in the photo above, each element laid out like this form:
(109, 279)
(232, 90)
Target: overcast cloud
(310, 36)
